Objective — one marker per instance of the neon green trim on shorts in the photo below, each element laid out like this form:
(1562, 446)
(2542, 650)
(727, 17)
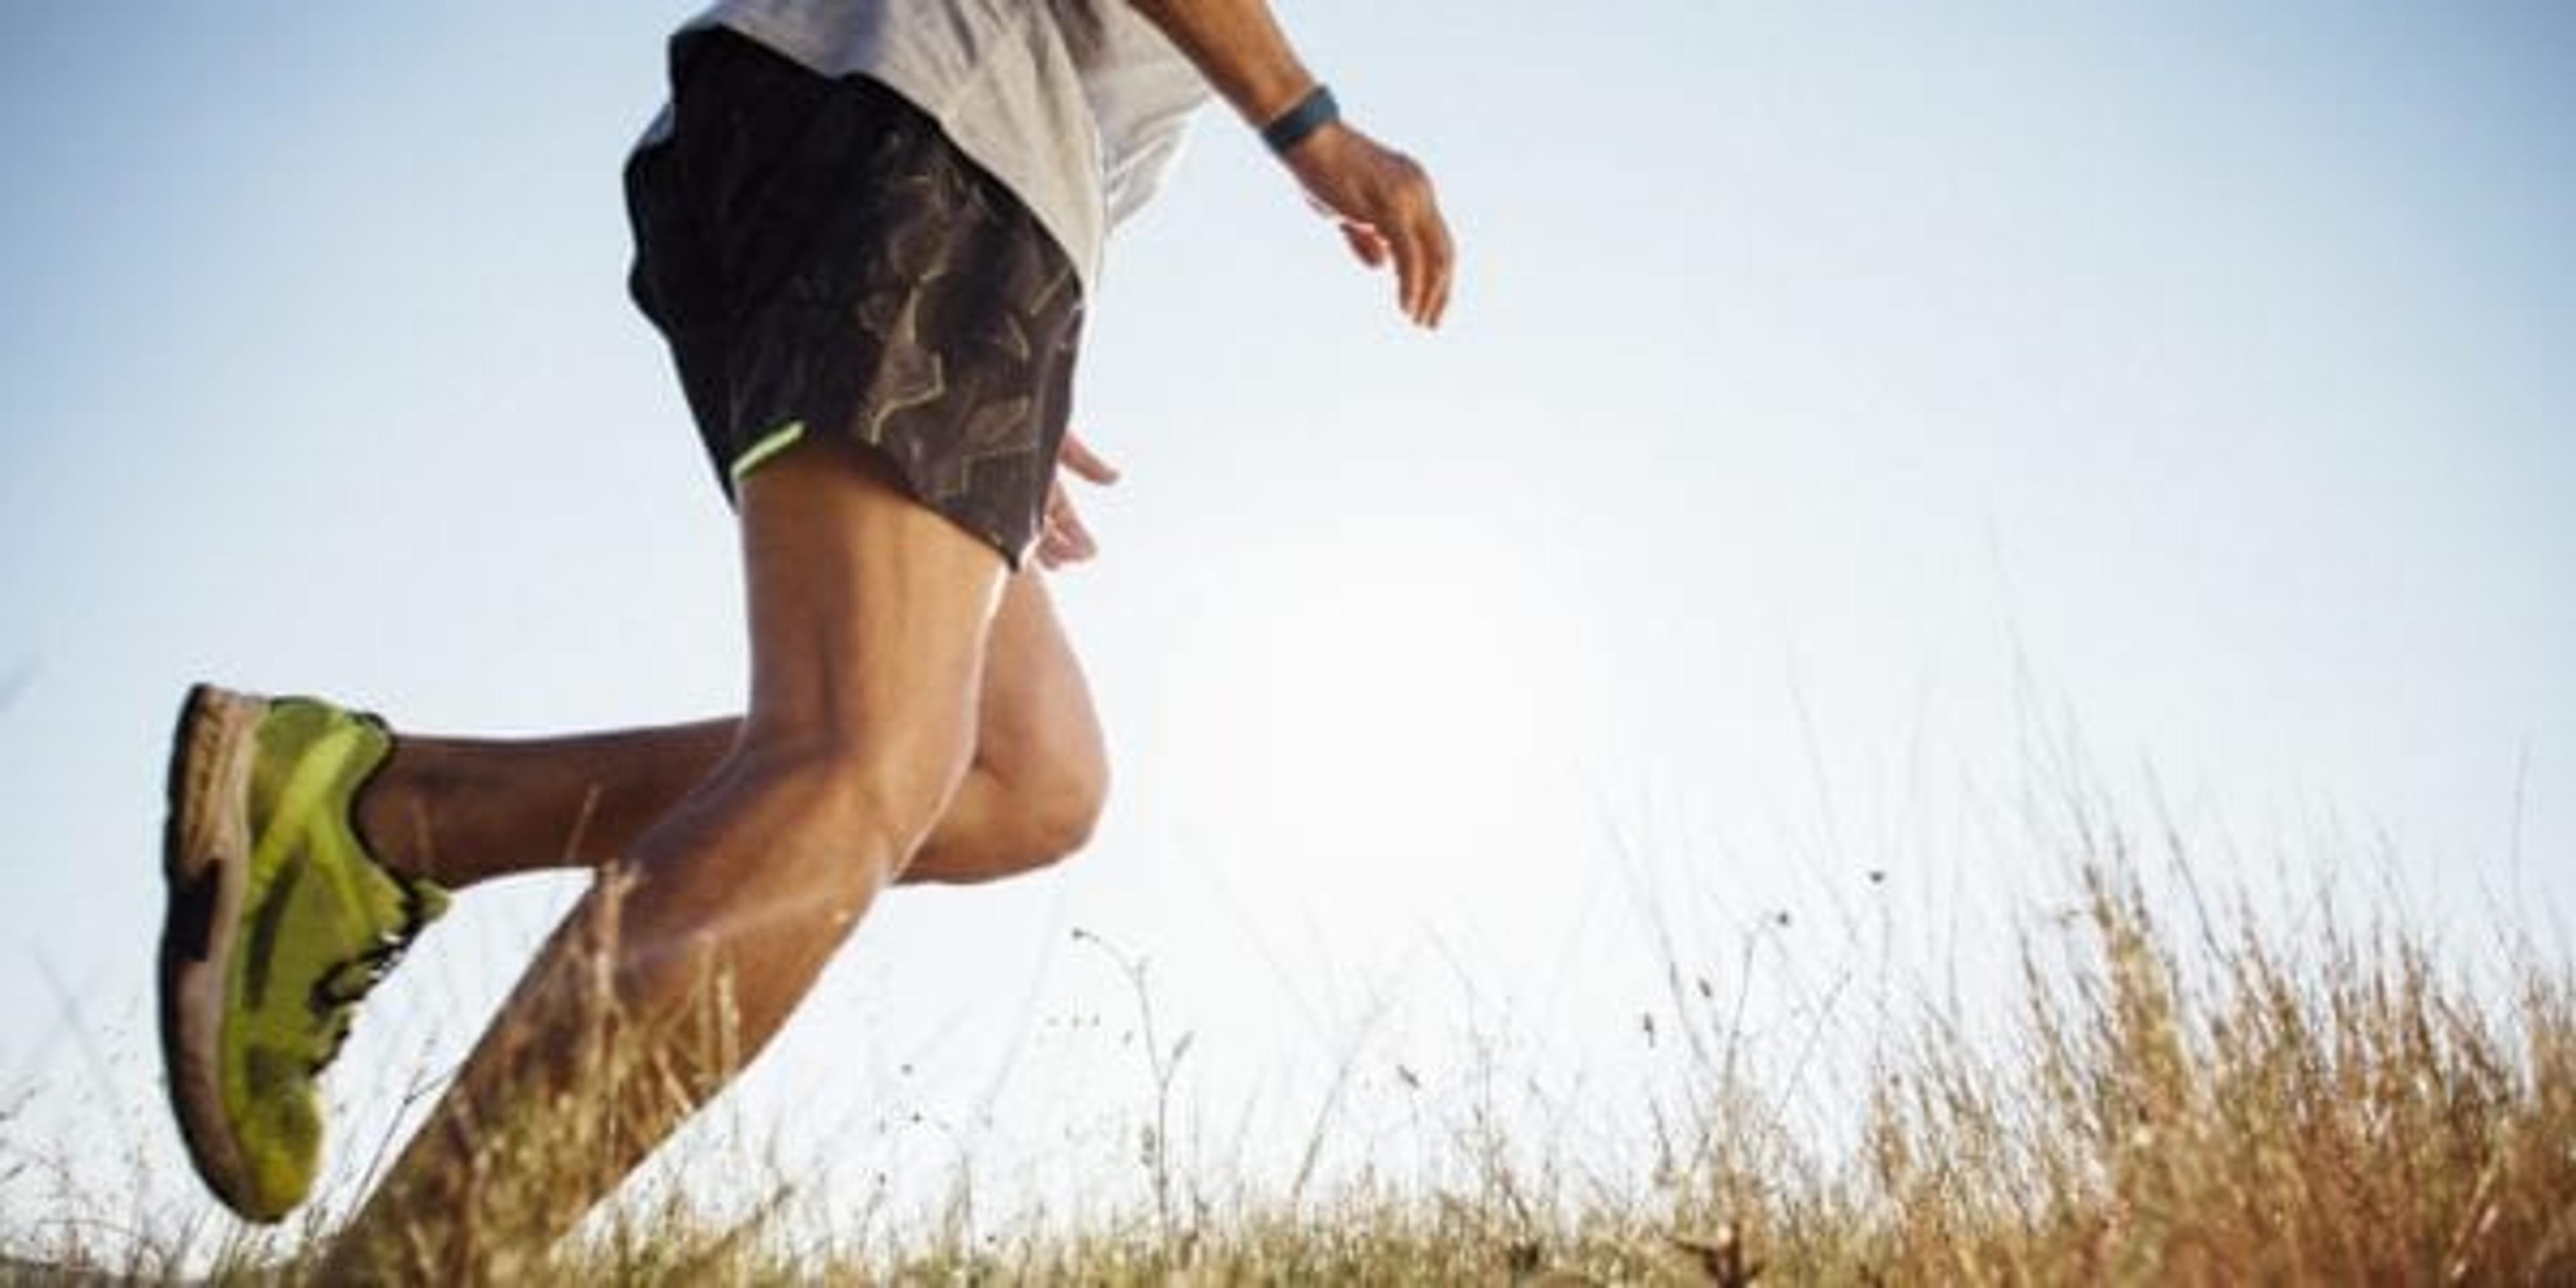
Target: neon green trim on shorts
(776, 441)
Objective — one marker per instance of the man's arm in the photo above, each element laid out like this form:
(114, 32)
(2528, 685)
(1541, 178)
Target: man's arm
(1384, 201)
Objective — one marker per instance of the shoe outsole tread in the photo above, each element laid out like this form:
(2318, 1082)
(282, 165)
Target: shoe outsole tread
(205, 866)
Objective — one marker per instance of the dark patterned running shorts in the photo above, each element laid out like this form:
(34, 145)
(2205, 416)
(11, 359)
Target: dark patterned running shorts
(823, 260)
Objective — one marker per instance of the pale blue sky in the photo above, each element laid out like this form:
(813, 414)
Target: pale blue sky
(1814, 369)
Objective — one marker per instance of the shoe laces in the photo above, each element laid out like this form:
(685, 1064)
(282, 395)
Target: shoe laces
(335, 996)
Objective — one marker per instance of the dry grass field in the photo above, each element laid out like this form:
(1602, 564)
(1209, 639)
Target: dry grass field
(2181, 1099)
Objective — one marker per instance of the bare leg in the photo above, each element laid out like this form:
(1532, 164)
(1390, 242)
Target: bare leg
(869, 620)
(460, 811)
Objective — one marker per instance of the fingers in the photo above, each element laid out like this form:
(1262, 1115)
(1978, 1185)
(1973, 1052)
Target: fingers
(1422, 270)
(1366, 244)
(1409, 272)
(1078, 457)
(1063, 537)
(1424, 263)
(1387, 211)
(1425, 258)
(1075, 536)
(1057, 547)
(1407, 227)
(1055, 552)
(1444, 266)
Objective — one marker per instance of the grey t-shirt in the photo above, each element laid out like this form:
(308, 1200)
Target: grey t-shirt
(1078, 106)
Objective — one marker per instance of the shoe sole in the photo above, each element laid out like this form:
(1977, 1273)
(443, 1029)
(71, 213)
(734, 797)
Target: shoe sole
(205, 863)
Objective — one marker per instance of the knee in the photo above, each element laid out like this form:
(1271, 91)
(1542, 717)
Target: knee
(1033, 822)
(1059, 814)
(878, 805)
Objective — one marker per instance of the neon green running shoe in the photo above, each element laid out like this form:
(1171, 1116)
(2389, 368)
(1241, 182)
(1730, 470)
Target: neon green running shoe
(279, 922)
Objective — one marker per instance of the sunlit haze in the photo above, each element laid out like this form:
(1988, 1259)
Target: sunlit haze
(1845, 409)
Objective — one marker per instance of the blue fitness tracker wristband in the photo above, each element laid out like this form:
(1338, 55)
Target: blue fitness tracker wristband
(1312, 113)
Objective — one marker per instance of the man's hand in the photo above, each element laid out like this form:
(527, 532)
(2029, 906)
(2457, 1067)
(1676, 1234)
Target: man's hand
(1387, 210)
(1381, 197)
(1064, 539)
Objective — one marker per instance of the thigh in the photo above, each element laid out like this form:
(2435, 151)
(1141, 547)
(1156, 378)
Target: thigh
(869, 615)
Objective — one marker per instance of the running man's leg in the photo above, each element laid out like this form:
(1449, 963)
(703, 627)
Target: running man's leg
(869, 617)
(459, 811)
